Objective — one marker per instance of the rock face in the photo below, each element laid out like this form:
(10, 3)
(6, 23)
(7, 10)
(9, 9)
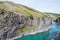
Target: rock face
(11, 23)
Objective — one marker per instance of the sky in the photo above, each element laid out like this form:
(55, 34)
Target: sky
(52, 6)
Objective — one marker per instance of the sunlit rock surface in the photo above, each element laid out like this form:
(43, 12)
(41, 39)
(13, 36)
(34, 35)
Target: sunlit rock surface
(13, 25)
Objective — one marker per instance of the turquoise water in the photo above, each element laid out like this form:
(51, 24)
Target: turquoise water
(38, 36)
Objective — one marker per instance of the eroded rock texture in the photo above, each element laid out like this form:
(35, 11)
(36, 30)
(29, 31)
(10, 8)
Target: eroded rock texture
(8, 24)
(11, 22)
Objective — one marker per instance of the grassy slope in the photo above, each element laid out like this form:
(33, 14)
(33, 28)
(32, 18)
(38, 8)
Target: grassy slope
(27, 11)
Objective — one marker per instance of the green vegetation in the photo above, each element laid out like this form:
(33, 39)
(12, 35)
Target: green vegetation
(25, 29)
(27, 11)
(2, 6)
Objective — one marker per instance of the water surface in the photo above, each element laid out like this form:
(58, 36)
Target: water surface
(38, 36)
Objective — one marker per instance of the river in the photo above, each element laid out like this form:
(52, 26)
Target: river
(38, 36)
